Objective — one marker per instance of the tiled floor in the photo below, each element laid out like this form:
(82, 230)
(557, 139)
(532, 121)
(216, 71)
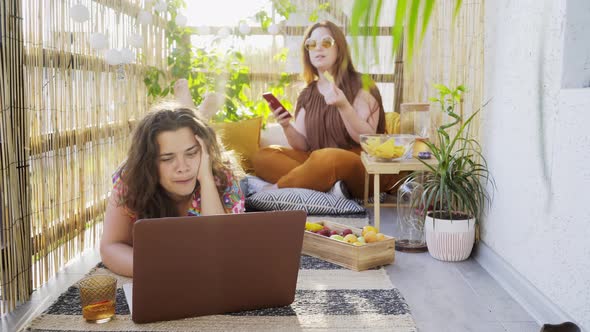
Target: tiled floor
(453, 297)
(442, 296)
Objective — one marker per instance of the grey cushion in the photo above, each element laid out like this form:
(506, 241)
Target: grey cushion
(311, 201)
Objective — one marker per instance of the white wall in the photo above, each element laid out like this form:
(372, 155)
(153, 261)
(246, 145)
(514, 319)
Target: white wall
(536, 139)
(576, 67)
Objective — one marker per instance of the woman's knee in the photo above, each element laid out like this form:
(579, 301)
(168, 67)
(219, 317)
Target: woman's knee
(335, 156)
(266, 155)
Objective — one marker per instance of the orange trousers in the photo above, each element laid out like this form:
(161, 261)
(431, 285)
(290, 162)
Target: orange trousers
(317, 170)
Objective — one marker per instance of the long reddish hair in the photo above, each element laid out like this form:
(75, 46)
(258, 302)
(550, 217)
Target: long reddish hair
(345, 75)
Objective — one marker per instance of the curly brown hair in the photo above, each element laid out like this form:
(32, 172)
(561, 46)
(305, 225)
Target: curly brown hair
(345, 75)
(143, 193)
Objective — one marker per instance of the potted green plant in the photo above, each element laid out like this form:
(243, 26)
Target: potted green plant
(454, 190)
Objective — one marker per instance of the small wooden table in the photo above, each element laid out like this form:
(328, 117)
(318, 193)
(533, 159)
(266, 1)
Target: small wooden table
(394, 167)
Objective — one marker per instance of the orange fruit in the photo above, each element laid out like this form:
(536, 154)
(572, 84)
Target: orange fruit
(369, 228)
(370, 236)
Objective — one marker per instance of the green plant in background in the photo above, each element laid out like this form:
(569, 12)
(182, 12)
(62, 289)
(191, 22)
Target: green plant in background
(285, 8)
(209, 70)
(315, 14)
(456, 186)
(264, 19)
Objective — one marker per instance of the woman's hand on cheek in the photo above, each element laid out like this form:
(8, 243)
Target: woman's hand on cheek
(205, 169)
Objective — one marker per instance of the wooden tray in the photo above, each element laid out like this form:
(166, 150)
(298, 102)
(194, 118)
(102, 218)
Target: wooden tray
(356, 258)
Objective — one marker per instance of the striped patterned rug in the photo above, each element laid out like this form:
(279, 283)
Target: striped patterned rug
(328, 298)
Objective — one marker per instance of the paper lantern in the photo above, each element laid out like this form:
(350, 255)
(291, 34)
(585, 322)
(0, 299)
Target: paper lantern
(79, 13)
(135, 40)
(161, 6)
(127, 55)
(113, 57)
(223, 32)
(181, 20)
(99, 41)
(273, 29)
(244, 28)
(144, 17)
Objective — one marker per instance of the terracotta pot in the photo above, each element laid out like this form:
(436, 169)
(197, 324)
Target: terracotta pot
(449, 240)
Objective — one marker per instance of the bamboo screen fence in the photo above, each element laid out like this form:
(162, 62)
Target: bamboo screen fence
(15, 234)
(65, 112)
(452, 54)
(262, 47)
(64, 130)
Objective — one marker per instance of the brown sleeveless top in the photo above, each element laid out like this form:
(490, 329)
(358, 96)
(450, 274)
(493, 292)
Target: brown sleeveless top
(323, 123)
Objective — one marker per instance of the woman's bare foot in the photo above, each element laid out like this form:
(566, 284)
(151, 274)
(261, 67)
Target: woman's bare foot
(211, 103)
(182, 93)
(270, 187)
(256, 184)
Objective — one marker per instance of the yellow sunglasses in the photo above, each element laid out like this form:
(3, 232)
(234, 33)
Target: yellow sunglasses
(326, 42)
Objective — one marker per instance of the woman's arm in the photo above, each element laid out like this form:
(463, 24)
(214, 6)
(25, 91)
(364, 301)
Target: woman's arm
(210, 200)
(296, 134)
(116, 248)
(362, 117)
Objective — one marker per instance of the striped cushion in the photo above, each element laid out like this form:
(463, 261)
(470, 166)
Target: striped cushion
(311, 201)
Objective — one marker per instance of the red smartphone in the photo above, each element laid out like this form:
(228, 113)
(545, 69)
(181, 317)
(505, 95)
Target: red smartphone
(274, 102)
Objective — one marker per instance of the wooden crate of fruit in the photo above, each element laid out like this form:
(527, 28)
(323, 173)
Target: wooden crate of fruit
(321, 240)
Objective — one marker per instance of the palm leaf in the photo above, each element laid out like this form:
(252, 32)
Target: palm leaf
(458, 4)
(376, 9)
(426, 13)
(412, 22)
(368, 12)
(360, 11)
(400, 12)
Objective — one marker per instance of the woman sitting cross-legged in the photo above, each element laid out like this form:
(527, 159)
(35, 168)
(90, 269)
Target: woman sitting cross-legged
(331, 114)
(174, 167)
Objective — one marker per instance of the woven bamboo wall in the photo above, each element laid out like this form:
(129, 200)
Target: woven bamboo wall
(68, 128)
(15, 263)
(452, 54)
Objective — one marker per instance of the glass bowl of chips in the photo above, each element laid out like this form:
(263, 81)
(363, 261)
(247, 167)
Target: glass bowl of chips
(384, 147)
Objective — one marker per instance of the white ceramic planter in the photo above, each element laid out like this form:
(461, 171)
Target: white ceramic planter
(449, 240)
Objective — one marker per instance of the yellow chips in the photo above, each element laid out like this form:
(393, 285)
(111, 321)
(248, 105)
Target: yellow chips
(329, 77)
(387, 149)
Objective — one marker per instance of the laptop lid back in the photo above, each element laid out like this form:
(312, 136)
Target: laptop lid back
(194, 266)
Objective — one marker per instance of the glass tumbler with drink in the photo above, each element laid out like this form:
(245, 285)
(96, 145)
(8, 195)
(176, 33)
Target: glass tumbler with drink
(97, 296)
